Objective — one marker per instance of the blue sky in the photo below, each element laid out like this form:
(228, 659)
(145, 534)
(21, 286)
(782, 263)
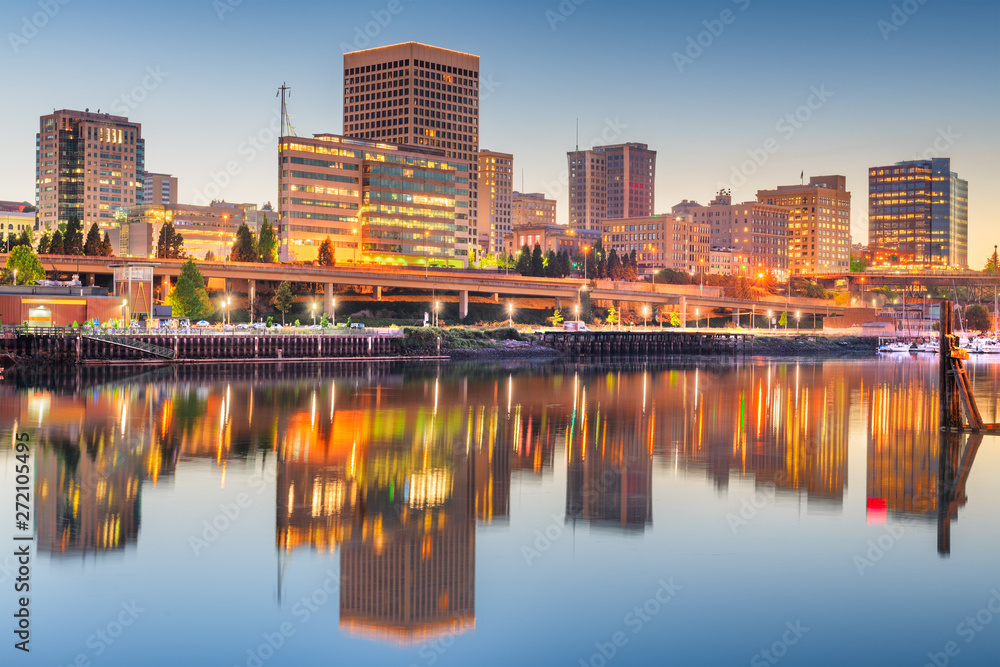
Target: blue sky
(707, 84)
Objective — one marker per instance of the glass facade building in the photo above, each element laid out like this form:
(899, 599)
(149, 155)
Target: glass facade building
(918, 215)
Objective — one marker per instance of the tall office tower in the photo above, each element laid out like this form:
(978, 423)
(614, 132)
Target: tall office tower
(918, 215)
(159, 189)
(588, 195)
(631, 176)
(753, 230)
(496, 185)
(532, 208)
(377, 203)
(819, 224)
(607, 182)
(88, 165)
(413, 93)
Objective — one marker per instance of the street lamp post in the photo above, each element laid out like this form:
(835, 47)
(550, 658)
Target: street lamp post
(797, 315)
(229, 310)
(697, 317)
(645, 316)
(357, 242)
(314, 314)
(586, 251)
(333, 315)
(15, 276)
(510, 314)
(437, 307)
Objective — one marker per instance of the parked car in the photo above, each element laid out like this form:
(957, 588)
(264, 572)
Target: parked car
(357, 325)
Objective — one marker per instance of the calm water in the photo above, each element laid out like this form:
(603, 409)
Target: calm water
(467, 515)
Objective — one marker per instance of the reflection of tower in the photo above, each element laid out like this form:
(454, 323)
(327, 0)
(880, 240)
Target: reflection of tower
(903, 445)
(86, 502)
(609, 475)
(956, 463)
(492, 453)
(409, 573)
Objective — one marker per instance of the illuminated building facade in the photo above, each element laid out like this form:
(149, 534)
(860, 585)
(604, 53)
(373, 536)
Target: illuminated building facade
(918, 215)
(87, 165)
(421, 95)
(496, 190)
(752, 229)
(819, 224)
(675, 242)
(378, 203)
(204, 228)
(551, 237)
(532, 208)
(615, 181)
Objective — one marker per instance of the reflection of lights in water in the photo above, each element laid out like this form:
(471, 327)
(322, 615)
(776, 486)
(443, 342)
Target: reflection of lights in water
(437, 385)
(428, 488)
(312, 410)
(291, 497)
(39, 404)
(333, 396)
(510, 391)
(124, 415)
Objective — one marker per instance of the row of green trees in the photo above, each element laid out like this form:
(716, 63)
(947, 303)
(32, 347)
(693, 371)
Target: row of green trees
(550, 265)
(67, 239)
(609, 265)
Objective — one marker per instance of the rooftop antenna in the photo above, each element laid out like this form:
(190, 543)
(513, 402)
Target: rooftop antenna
(578, 134)
(286, 124)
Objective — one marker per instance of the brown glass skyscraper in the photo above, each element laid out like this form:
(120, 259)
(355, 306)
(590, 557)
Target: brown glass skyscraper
(610, 182)
(413, 93)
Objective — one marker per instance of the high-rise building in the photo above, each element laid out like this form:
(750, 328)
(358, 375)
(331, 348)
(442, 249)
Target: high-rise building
(614, 181)
(159, 189)
(496, 171)
(413, 93)
(819, 224)
(751, 229)
(87, 165)
(377, 203)
(532, 208)
(204, 229)
(918, 215)
(676, 242)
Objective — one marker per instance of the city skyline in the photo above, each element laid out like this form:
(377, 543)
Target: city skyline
(210, 117)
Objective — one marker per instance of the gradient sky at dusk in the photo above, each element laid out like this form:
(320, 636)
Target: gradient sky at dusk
(929, 88)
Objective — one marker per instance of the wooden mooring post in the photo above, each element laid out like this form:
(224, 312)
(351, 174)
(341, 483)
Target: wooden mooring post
(955, 389)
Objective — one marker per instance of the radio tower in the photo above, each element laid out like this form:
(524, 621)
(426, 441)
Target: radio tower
(286, 125)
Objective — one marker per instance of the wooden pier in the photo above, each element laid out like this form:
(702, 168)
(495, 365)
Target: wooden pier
(647, 343)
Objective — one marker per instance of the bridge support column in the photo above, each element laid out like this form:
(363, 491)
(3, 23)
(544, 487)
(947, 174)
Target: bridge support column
(328, 299)
(684, 311)
(251, 296)
(463, 304)
(496, 297)
(559, 303)
(378, 293)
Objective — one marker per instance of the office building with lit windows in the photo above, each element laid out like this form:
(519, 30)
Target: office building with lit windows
(532, 208)
(607, 182)
(496, 188)
(753, 230)
(417, 94)
(676, 242)
(377, 203)
(205, 229)
(87, 165)
(159, 189)
(918, 215)
(819, 224)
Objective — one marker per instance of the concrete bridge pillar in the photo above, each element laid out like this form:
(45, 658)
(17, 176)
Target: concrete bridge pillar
(328, 299)
(496, 297)
(463, 304)
(559, 303)
(684, 312)
(378, 293)
(251, 295)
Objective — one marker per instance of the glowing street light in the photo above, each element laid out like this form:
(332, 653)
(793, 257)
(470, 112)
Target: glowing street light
(586, 251)
(314, 314)
(437, 307)
(229, 310)
(510, 314)
(797, 316)
(645, 315)
(357, 242)
(15, 276)
(697, 317)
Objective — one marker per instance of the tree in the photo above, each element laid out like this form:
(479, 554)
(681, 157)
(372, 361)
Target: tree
(325, 255)
(550, 264)
(858, 264)
(614, 266)
(209, 256)
(245, 246)
(523, 264)
(977, 318)
(992, 263)
(56, 246)
(613, 316)
(675, 319)
(73, 237)
(106, 248)
(189, 297)
(170, 244)
(24, 238)
(557, 317)
(267, 243)
(25, 261)
(92, 247)
(783, 320)
(283, 299)
(537, 263)
(565, 266)
(44, 243)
